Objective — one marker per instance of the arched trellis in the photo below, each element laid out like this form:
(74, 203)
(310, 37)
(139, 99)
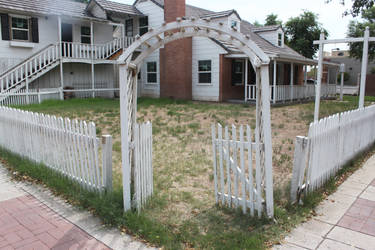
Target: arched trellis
(168, 32)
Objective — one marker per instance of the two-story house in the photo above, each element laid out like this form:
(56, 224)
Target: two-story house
(70, 47)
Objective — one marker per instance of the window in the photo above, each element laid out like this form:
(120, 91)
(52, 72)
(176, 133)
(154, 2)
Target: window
(233, 24)
(238, 72)
(20, 29)
(280, 40)
(204, 71)
(85, 34)
(152, 74)
(129, 28)
(143, 25)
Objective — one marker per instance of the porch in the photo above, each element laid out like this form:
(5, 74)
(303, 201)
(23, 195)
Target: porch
(288, 80)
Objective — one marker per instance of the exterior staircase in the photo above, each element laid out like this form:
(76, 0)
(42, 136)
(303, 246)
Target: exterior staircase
(16, 79)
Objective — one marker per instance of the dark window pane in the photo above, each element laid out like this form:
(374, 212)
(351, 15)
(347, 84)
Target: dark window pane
(143, 21)
(86, 39)
(20, 23)
(129, 27)
(204, 65)
(143, 31)
(85, 31)
(151, 77)
(237, 72)
(204, 77)
(20, 35)
(151, 67)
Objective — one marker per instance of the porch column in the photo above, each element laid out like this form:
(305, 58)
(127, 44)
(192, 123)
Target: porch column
(319, 83)
(274, 80)
(124, 43)
(246, 77)
(92, 59)
(305, 75)
(61, 58)
(342, 71)
(291, 80)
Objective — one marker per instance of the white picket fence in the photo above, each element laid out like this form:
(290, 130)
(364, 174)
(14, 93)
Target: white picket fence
(33, 96)
(143, 173)
(331, 143)
(68, 147)
(236, 159)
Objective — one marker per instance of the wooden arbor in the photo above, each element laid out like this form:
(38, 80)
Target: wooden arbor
(168, 32)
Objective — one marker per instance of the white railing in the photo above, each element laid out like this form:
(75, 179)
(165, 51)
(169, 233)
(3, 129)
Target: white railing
(237, 170)
(143, 173)
(284, 93)
(25, 70)
(96, 51)
(68, 147)
(331, 143)
(33, 96)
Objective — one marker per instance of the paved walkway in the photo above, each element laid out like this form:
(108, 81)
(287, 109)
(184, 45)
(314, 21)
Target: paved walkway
(345, 220)
(32, 218)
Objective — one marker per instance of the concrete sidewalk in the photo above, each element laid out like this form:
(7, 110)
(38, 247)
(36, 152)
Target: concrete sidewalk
(32, 218)
(345, 220)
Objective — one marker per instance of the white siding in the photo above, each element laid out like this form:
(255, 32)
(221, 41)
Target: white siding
(272, 36)
(155, 19)
(97, 11)
(48, 34)
(206, 49)
(10, 56)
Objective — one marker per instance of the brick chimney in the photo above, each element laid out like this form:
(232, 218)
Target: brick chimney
(176, 58)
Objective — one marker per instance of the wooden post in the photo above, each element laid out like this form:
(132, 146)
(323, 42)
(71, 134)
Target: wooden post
(92, 59)
(274, 80)
(305, 75)
(266, 133)
(362, 89)
(342, 70)
(27, 86)
(299, 165)
(125, 143)
(319, 83)
(39, 97)
(246, 77)
(291, 80)
(107, 161)
(61, 59)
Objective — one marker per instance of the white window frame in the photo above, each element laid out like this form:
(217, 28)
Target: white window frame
(280, 39)
(28, 28)
(206, 72)
(82, 35)
(242, 73)
(152, 72)
(233, 23)
(142, 27)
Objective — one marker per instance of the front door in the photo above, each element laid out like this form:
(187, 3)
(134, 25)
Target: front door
(66, 36)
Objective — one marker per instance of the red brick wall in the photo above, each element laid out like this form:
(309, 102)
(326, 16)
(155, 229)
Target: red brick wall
(370, 85)
(227, 90)
(176, 58)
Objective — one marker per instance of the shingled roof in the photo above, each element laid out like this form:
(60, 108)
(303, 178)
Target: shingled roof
(47, 7)
(114, 7)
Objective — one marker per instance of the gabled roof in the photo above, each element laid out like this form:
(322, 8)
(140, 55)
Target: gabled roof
(266, 28)
(114, 7)
(46, 7)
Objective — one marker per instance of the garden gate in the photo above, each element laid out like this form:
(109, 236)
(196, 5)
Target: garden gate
(169, 32)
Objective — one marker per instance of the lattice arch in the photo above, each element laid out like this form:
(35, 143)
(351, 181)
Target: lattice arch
(166, 33)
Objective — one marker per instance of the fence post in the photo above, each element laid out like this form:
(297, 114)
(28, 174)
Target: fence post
(299, 165)
(107, 161)
(39, 99)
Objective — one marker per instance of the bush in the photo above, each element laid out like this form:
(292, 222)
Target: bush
(346, 77)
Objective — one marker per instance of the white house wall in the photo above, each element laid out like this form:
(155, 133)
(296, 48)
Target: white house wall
(78, 76)
(155, 19)
(206, 49)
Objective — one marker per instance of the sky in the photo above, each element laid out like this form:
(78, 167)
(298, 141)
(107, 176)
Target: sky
(330, 15)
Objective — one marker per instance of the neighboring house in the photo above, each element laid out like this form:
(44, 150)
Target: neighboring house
(72, 47)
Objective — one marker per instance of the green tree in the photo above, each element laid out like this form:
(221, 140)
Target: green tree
(271, 19)
(357, 29)
(257, 24)
(358, 6)
(301, 32)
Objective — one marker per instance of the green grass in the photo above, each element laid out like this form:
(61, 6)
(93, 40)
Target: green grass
(182, 212)
(240, 232)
